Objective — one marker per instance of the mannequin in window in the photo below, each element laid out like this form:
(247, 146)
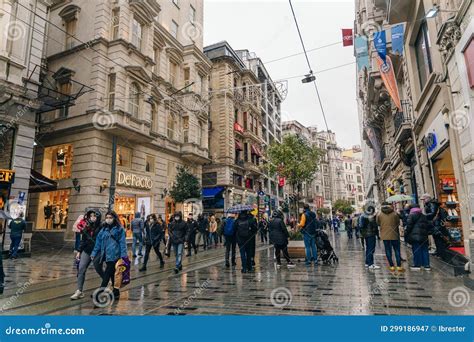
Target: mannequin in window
(56, 217)
(48, 213)
(61, 161)
(142, 209)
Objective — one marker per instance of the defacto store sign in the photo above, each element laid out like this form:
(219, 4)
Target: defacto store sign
(134, 181)
(7, 176)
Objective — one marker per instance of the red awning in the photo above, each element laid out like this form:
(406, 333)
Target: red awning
(238, 146)
(256, 151)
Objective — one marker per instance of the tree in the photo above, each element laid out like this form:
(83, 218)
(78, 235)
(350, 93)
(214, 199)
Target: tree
(344, 206)
(295, 159)
(323, 211)
(186, 186)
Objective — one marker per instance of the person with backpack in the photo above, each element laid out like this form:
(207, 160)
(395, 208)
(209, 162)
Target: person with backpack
(230, 241)
(89, 234)
(109, 247)
(245, 229)
(368, 231)
(178, 230)
(154, 233)
(138, 227)
(308, 225)
(279, 237)
(263, 230)
(389, 222)
(416, 234)
(191, 229)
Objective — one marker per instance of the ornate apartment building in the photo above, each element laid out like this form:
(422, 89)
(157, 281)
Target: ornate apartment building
(143, 80)
(22, 41)
(236, 132)
(424, 144)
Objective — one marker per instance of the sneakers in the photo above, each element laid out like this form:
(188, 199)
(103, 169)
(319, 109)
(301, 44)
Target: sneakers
(400, 269)
(374, 267)
(427, 268)
(290, 264)
(162, 264)
(392, 268)
(415, 268)
(77, 295)
(366, 265)
(176, 270)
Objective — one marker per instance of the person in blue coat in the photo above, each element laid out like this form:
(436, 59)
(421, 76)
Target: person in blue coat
(110, 246)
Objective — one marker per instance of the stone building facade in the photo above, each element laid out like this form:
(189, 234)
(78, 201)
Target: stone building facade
(120, 144)
(423, 146)
(22, 42)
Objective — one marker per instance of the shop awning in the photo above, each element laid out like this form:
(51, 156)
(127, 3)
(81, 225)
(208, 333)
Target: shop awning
(238, 145)
(256, 151)
(211, 192)
(40, 183)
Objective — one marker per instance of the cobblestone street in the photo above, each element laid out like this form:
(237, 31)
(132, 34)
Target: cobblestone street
(207, 287)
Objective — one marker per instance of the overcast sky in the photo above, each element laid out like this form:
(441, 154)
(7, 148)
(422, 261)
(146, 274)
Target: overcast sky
(267, 28)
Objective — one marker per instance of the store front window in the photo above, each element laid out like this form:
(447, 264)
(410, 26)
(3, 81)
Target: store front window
(125, 208)
(57, 161)
(53, 210)
(124, 156)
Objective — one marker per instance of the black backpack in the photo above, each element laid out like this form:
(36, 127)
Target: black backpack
(311, 225)
(243, 228)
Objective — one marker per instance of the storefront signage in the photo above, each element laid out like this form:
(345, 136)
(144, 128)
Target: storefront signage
(7, 176)
(430, 142)
(134, 181)
(436, 137)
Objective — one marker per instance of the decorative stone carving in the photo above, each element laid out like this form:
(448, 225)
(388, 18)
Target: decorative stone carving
(448, 37)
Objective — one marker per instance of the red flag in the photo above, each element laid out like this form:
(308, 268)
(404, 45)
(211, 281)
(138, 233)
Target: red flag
(347, 37)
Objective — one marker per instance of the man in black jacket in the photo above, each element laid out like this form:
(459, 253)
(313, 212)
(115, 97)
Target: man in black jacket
(279, 237)
(177, 237)
(203, 231)
(192, 228)
(245, 229)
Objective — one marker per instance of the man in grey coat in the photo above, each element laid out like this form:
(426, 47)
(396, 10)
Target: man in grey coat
(138, 226)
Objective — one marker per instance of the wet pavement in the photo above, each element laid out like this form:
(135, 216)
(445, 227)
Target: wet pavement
(207, 287)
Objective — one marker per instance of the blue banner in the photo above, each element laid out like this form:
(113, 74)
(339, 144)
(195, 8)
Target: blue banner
(237, 328)
(380, 43)
(362, 53)
(397, 39)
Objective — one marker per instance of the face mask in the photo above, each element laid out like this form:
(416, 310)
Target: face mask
(152, 221)
(109, 221)
(176, 218)
(93, 219)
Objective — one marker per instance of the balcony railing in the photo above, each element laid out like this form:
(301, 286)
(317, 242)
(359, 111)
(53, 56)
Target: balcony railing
(399, 119)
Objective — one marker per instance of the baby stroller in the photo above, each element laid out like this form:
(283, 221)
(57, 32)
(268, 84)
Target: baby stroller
(326, 253)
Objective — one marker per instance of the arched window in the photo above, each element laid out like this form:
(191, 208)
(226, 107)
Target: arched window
(170, 126)
(134, 101)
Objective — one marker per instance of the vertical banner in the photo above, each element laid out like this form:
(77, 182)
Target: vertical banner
(362, 53)
(347, 37)
(380, 44)
(397, 39)
(388, 77)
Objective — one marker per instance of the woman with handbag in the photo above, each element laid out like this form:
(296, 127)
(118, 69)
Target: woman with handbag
(110, 246)
(88, 228)
(154, 233)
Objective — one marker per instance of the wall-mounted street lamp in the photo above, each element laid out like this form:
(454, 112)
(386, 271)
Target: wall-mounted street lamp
(433, 12)
(76, 185)
(309, 77)
(105, 184)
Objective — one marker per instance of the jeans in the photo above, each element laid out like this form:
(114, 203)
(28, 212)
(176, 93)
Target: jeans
(230, 247)
(109, 274)
(278, 249)
(211, 237)
(178, 249)
(156, 248)
(77, 242)
(349, 232)
(246, 256)
(421, 256)
(192, 243)
(263, 236)
(395, 244)
(369, 250)
(137, 237)
(15, 244)
(310, 248)
(201, 236)
(81, 273)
